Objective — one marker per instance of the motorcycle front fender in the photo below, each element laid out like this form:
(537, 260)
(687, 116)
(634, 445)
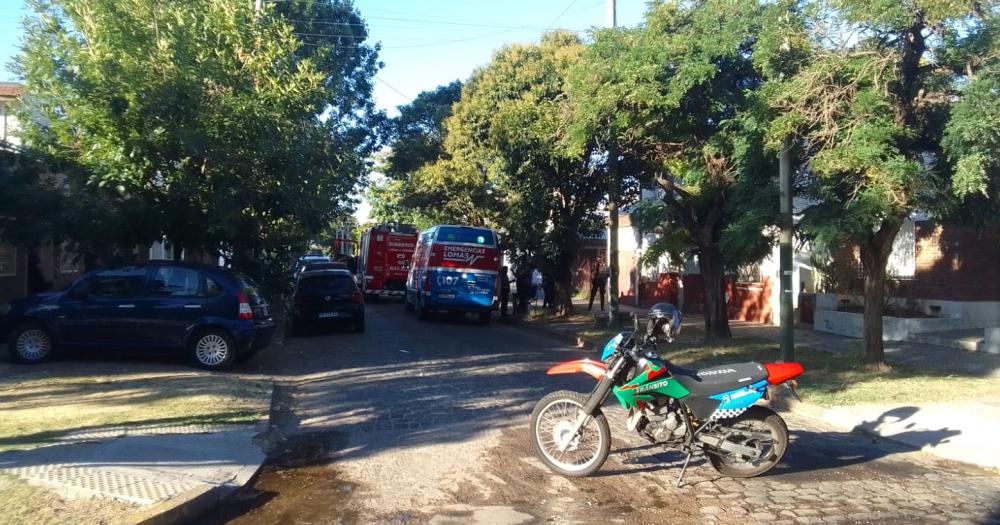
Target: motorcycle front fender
(595, 369)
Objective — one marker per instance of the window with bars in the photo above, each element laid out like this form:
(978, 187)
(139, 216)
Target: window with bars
(748, 274)
(902, 263)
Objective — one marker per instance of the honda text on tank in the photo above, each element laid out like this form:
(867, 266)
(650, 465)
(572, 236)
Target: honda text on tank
(455, 269)
(386, 255)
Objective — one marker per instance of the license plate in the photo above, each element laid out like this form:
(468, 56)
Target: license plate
(446, 295)
(325, 315)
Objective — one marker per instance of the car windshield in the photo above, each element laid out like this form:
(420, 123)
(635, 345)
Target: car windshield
(465, 235)
(326, 284)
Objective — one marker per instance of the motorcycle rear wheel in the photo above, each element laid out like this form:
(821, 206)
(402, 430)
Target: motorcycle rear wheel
(757, 419)
(553, 417)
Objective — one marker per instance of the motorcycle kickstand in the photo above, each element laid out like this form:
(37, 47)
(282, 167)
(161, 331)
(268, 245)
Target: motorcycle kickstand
(684, 467)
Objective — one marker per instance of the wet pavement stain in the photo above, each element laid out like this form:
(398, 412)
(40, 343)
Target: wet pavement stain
(297, 485)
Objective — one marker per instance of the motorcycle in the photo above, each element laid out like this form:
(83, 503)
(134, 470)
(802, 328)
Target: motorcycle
(710, 410)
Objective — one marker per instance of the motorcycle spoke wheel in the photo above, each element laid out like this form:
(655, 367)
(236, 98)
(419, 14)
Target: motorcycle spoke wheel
(553, 422)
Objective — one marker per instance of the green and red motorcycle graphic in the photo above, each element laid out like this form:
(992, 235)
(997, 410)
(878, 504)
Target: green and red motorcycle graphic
(709, 410)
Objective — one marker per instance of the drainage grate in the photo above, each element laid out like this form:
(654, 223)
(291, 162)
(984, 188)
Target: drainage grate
(118, 483)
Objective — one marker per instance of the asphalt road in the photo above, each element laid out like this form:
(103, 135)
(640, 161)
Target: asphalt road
(417, 422)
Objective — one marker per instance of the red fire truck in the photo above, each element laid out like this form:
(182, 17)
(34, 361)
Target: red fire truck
(386, 254)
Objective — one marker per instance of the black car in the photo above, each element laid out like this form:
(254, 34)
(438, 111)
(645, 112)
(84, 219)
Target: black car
(323, 296)
(214, 314)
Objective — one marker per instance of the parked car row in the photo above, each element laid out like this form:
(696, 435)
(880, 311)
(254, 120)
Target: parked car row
(215, 315)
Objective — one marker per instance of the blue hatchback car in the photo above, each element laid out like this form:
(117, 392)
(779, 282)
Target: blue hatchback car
(214, 314)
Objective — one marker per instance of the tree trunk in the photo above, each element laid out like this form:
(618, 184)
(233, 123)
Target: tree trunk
(874, 258)
(713, 279)
(563, 273)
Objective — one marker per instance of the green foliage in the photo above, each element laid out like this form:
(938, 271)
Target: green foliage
(508, 134)
(678, 98)
(971, 141)
(416, 138)
(897, 117)
(207, 113)
(27, 199)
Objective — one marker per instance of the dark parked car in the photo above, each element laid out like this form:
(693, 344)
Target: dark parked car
(306, 260)
(322, 296)
(336, 265)
(213, 313)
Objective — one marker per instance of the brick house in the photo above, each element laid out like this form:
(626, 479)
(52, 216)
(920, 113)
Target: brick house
(942, 278)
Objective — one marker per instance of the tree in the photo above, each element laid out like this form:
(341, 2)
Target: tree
(678, 99)
(416, 139)
(886, 112)
(507, 158)
(208, 113)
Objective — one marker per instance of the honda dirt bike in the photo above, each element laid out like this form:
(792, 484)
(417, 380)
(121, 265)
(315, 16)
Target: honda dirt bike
(710, 410)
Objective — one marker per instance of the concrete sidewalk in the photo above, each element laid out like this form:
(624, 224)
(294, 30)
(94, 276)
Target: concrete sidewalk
(164, 476)
(964, 431)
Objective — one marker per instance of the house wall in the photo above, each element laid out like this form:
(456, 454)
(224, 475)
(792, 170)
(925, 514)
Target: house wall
(953, 263)
(14, 286)
(8, 123)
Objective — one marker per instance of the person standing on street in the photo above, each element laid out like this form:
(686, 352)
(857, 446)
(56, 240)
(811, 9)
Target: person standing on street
(598, 283)
(549, 288)
(504, 291)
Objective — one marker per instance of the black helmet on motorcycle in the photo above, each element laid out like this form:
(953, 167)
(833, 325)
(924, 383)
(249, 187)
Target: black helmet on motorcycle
(664, 321)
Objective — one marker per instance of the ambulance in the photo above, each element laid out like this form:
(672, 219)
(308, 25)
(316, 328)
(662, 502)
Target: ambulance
(455, 269)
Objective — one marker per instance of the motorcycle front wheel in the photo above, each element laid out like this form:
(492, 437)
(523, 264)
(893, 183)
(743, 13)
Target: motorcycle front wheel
(552, 422)
(747, 429)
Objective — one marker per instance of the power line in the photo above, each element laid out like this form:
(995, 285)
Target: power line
(390, 86)
(560, 15)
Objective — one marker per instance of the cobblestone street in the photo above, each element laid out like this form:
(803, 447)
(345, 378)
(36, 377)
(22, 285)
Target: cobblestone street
(427, 422)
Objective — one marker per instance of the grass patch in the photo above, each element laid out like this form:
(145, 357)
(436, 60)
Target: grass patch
(832, 380)
(36, 412)
(598, 336)
(21, 502)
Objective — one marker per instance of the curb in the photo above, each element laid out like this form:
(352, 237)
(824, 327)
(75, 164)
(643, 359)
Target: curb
(187, 506)
(572, 340)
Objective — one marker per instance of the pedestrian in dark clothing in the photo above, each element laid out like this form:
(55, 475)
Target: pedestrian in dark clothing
(37, 283)
(504, 291)
(525, 292)
(549, 287)
(598, 283)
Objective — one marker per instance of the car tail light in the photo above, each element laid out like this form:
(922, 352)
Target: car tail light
(356, 297)
(245, 311)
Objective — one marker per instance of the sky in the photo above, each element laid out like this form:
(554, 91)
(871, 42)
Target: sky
(425, 43)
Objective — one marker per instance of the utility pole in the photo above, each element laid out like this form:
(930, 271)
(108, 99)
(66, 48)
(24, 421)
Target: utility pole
(785, 254)
(258, 5)
(613, 318)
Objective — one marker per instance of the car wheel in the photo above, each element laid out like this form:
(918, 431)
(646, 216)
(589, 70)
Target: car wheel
(31, 343)
(213, 349)
(359, 325)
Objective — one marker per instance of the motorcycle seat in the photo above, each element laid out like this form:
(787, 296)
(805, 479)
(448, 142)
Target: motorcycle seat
(718, 379)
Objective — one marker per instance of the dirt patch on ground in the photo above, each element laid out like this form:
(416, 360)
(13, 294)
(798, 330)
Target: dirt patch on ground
(631, 487)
